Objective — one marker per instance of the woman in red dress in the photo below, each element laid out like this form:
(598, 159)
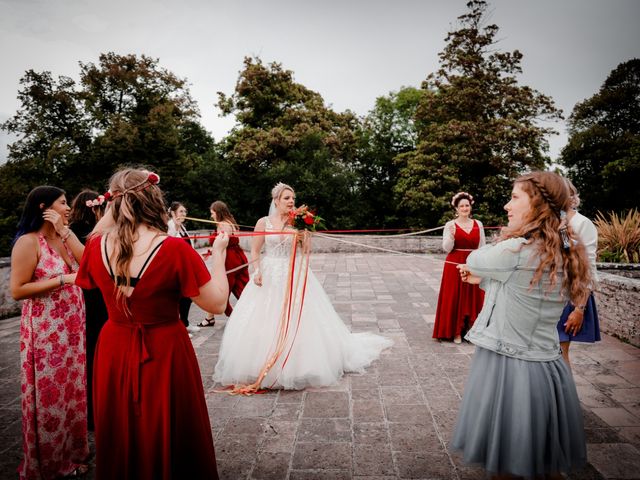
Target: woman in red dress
(151, 419)
(236, 257)
(458, 303)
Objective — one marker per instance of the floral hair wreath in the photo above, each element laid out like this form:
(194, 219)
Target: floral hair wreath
(466, 195)
(152, 179)
(96, 202)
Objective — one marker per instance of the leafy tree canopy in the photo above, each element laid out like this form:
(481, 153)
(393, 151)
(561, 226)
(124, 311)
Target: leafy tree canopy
(126, 110)
(603, 151)
(285, 132)
(386, 132)
(478, 126)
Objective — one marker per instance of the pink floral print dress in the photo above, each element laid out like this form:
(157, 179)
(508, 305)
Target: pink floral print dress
(52, 358)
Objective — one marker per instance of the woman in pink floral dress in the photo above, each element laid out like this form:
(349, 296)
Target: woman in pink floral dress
(52, 339)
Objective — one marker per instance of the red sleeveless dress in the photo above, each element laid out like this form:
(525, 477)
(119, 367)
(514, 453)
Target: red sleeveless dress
(459, 303)
(238, 279)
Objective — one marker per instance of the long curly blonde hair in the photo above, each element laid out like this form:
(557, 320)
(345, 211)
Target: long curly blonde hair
(136, 201)
(549, 196)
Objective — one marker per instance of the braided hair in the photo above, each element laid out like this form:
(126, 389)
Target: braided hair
(549, 198)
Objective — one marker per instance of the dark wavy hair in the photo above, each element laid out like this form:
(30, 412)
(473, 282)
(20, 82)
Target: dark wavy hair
(80, 213)
(31, 219)
(175, 206)
(223, 214)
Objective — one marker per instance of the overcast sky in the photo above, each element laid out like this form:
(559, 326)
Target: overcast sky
(350, 51)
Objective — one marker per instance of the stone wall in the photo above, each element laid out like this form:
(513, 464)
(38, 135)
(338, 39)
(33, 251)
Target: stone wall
(347, 243)
(618, 302)
(8, 306)
(380, 244)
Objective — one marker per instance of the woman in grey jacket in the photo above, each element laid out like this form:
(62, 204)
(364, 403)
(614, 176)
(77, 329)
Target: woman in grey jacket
(520, 414)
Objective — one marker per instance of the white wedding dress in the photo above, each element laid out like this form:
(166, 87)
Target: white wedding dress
(321, 351)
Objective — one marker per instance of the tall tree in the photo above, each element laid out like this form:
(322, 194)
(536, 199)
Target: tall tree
(51, 127)
(603, 151)
(286, 133)
(126, 110)
(478, 126)
(52, 130)
(140, 114)
(387, 131)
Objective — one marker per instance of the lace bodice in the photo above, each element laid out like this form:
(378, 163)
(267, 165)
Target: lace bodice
(276, 245)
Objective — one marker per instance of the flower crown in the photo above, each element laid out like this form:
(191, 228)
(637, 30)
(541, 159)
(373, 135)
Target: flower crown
(466, 195)
(152, 179)
(96, 202)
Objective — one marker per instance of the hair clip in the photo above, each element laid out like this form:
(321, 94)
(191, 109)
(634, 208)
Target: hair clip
(564, 233)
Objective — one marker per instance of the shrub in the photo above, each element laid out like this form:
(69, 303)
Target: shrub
(619, 237)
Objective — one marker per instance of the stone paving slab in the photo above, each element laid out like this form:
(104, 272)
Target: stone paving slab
(394, 421)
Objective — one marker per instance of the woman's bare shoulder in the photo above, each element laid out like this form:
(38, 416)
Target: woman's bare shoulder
(261, 223)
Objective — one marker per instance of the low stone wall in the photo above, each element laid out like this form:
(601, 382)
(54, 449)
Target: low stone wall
(354, 243)
(618, 301)
(380, 244)
(8, 306)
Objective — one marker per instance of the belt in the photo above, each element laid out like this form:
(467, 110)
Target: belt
(140, 355)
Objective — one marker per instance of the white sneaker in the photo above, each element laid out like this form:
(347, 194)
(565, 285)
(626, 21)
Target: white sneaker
(193, 329)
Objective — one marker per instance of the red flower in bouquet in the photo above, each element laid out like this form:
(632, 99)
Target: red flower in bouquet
(304, 219)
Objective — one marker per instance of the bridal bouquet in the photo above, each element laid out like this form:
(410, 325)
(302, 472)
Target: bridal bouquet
(304, 219)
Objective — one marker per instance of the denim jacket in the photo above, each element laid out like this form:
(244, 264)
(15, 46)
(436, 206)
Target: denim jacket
(516, 320)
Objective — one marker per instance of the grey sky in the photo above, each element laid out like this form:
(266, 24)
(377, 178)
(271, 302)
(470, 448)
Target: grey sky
(350, 51)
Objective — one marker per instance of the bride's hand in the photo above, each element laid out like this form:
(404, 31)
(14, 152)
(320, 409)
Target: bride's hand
(304, 237)
(257, 279)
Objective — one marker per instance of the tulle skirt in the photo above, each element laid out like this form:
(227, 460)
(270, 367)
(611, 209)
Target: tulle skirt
(319, 348)
(520, 417)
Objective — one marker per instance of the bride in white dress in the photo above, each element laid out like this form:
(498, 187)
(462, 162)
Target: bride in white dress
(316, 347)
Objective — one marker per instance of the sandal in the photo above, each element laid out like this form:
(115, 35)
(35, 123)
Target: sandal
(207, 322)
(80, 471)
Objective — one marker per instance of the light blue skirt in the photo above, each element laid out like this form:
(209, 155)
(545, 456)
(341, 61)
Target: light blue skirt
(520, 417)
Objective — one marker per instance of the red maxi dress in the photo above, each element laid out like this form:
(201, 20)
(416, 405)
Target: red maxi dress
(459, 303)
(238, 279)
(151, 419)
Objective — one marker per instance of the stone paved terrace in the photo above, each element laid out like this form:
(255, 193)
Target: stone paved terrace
(394, 421)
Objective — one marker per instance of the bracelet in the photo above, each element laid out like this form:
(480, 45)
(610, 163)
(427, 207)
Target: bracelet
(66, 235)
(61, 280)
(580, 308)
